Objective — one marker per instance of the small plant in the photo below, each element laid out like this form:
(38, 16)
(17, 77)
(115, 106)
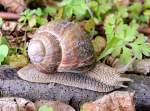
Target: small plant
(1, 22)
(33, 17)
(124, 41)
(45, 108)
(36, 17)
(100, 8)
(74, 7)
(3, 49)
(14, 56)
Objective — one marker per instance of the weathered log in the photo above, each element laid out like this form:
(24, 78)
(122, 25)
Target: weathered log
(11, 85)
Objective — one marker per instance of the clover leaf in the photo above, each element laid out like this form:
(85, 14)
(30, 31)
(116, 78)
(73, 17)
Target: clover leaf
(74, 7)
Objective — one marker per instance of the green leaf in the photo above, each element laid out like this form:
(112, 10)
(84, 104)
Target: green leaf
(145, 49)
(131, 31)
(111, 44)
(25, 16)
(74, 7)
(94, 5)
(79, 11)
(45, 108)
(65, 2)
(120, 31)
(68, 11)
(1, 59)
(122, 12)
(146, 4)
(105, 6)
(22, 19)
(38, 12)
(1, 21)
(141, 39)
(147, 12)
(3, 40)
(13, 50)
(50, 10)
(126, 55)
(109, 26)
(136, 7)
(32, 21)
(105, 53)
(41, 21)
(4, 50)
(137, 51)
(143, 18)
(117, 51)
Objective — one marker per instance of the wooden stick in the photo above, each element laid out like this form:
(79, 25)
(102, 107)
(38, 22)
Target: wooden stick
(11, 85)
(9, 16)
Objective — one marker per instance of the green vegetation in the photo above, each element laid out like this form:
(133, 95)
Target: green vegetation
(101, 8)
(45, 108)
(1, 22)
(11, 56)
(124, 41)
(74, 7)
(36, 17)
(119, 19)
(3, 49)
(3, 52)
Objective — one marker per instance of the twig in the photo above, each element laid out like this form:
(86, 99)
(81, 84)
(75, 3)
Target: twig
(144, 30)
(9, 16)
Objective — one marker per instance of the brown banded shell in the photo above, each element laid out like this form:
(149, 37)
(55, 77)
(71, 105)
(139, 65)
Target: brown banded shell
(61, 46)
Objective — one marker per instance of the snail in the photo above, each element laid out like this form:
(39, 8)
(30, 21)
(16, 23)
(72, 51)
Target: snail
(61, 52)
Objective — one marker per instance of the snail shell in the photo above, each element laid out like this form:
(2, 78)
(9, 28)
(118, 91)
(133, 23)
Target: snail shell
(61, 46)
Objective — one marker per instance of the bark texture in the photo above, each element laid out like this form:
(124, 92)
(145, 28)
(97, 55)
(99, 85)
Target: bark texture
(11, 85)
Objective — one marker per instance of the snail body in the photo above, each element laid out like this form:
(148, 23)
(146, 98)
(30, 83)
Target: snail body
(61, 47)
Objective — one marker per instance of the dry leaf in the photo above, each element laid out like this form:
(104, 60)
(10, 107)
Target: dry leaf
(99, 44)
(115, 101)
(9, 26)
(89, 25)
(142, 66)
(138, 66)
(16, 104)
